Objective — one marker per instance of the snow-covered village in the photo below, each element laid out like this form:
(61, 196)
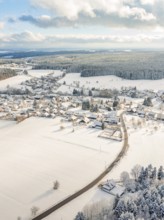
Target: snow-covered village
(82, 110)
(63, 135)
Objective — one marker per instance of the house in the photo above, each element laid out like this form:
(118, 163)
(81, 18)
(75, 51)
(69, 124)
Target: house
(131, 110)
(96, 124)
(83, 121)
(151, 115)
(73, 118)
(53, 115)
(111, 118)
(160, 116)
(92, 116)
(110, 187)
(141, 114)
(47, 115)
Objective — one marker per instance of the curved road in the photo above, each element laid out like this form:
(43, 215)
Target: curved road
(95, 181)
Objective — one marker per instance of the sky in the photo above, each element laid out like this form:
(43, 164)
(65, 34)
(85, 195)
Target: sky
(81, 24)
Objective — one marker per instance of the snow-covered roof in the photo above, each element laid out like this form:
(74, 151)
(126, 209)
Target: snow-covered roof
(109, 185)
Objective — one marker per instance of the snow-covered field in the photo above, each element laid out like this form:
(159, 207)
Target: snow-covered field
(39, 73)
(146, 146)
(17, 80)
(36, 152)
(14, 81)
(110, 82)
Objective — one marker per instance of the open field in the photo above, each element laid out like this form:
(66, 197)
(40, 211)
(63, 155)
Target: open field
(107, 82)
(37, 152)
(39, 73)
(15, 81)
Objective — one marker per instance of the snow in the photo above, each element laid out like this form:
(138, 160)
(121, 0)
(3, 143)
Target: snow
(64, 89)
(14, 81)
(108, 82)
(146, 146)
(39, 73)
(6, 124)
(118, 190)
(36, 152)
(17, 80)
(91, 197)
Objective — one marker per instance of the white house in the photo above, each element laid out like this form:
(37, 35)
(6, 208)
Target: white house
(110, 187)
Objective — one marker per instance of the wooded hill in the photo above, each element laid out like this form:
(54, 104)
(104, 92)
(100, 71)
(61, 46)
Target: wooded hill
(128, 65)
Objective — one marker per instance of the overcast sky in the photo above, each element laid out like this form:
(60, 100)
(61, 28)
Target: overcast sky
(82, 24)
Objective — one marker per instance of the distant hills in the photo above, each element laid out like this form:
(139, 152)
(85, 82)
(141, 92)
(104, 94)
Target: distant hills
(125, 64)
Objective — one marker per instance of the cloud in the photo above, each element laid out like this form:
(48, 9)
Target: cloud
(148, 2)
(11, 20)
(104, 38)
(72, 9)
(119, 13)
(46, 21)
(138, 20)
(1, 25)
(38, 40)
(24, 37)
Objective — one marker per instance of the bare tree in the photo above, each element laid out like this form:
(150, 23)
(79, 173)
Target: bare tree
(139, 123)
(135, 172)
(124, 177)
(34, 211)
(61, 127)
(56, 185)
(92, 211)
(155, 128)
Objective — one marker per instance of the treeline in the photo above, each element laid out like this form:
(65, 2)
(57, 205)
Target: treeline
(132, 73)
(50, 66)
(7, 73)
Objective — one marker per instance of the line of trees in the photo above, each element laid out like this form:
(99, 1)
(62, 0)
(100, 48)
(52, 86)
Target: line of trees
(6, 73)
